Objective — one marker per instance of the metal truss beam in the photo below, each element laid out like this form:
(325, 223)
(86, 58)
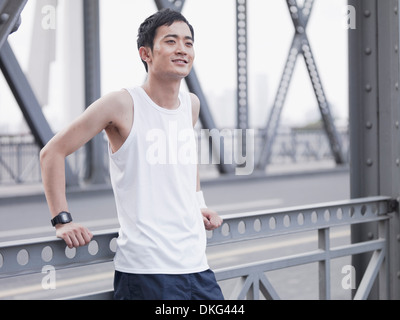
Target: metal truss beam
(30, 256)
(242, 92)
(374, 100)
(10, 18)
(242, 70)
(171, 4)
(28, 103)
(194, 86)
(95, 166)
(300, 46)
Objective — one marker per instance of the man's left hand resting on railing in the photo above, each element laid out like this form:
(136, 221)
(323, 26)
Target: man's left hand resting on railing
(74, 234)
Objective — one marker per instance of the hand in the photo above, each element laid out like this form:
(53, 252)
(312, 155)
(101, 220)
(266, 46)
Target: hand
(211, 219)
(73, 234)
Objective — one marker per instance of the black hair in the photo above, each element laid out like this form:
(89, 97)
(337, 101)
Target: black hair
(147, 30)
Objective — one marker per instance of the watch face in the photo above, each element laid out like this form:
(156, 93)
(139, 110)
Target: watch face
(64, 218)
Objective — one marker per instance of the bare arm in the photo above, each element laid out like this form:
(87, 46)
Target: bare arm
(211, 218)
(97, 117)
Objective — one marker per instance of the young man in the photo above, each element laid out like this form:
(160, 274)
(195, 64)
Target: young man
(163, 217)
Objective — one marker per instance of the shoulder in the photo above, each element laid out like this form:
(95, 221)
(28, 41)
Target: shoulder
(195, 107)
(121, 117)
(121, 98)
(115, 109)
(112, 103)
(108, 107)
(117, 103)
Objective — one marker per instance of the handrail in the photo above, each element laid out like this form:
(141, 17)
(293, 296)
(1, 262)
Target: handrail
(10, 17)
(266, 223)
(29, 256)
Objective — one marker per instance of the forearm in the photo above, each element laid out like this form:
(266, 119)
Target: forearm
(53, 178)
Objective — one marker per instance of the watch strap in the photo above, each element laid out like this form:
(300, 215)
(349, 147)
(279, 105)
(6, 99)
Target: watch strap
(63, 217)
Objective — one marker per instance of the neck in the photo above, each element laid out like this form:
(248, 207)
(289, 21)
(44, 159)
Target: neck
(163, 93)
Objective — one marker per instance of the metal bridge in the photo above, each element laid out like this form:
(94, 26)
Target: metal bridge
(371, 215)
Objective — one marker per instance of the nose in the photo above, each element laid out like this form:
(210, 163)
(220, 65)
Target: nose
(181, 48)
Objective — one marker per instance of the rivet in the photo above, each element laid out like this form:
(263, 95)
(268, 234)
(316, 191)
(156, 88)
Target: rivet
(398, 274)
(368, 88)
(368, 51)
(369, 162)
(397, 162)
(367, 13)
(396, 48)
(4, 17)
(396, 10)
(369, 125)
(370, 235)
(397, 124)
(398, 237)
(396, 86)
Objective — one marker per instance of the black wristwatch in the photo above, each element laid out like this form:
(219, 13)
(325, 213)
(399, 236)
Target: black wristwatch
(62, 218)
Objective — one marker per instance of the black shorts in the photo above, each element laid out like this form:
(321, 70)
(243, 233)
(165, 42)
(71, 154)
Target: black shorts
(194, 286)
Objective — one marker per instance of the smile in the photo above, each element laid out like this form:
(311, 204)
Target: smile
(180, 61)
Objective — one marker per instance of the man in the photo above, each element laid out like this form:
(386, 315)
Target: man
(161, 210)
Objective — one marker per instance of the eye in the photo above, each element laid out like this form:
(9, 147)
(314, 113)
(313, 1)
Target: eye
(170, 41)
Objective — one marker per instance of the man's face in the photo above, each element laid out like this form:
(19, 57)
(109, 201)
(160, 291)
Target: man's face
(173, 51)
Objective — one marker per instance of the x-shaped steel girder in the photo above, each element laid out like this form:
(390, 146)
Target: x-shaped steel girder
(300, 46)
(10, 18)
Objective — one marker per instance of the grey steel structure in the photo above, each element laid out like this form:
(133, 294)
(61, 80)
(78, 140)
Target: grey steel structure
(242, 92)
(10, 18)
(375, 118)
(19, 258)
(95, 150)
(300, 46)
(18, 83)
(375, 160)
(95, 171)
(242, 72)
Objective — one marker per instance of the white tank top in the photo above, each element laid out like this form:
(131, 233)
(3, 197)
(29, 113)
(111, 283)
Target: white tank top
(154, 177)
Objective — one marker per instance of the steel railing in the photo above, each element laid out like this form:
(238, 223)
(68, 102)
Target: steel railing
(30, 256)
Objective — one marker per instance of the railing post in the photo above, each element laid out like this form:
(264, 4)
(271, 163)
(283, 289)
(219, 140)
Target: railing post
(324, 266)
(375, 122)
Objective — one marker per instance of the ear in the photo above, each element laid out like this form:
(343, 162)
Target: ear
(144, 53)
